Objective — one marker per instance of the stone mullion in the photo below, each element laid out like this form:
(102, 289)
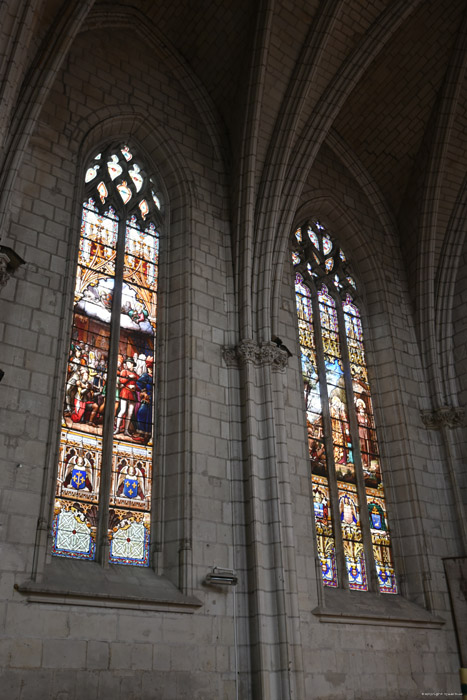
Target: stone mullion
(103, 546)
(328, 444)
(361, 490)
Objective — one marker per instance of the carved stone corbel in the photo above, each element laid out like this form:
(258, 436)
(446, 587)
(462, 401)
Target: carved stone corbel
(445, 416)
(250, 352)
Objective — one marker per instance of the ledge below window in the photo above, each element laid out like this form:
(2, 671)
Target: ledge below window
(362, 608)
(69, 582)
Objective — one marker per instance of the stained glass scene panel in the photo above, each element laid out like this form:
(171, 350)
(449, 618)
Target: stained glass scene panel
(324, 531)
(133, 434)
(381, 541)
(130, 502)
(323, 521)
(342, 443)
(78, 478)
(369, 450)
(341, 438)
(352, 536)
(77, 491)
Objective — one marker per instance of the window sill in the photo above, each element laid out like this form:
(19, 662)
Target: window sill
(358, 608)
(68, 582)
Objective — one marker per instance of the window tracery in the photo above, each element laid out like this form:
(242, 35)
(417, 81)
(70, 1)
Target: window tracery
(352, 532)
(103, 488)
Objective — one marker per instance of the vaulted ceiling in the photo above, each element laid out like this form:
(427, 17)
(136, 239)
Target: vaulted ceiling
(273, 51)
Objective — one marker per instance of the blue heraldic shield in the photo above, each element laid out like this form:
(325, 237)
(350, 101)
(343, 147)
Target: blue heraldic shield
(78, 478)
(130, 487)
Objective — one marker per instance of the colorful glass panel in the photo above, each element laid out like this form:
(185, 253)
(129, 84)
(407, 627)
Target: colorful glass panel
(352, 536)
(77, 513)
(126, 153)
(144, 208)
(124, 191)
(114, 167)
(135, 174)
(323, 521)
(91, 173)
(156, 199)
(343, 450)
(313, 238)
(327, 245)
(78, 480)
(325, 260)
(133, 438)
(369, 449)
(103, 193)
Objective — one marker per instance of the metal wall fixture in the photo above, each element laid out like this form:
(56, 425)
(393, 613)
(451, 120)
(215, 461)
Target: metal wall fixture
(221, 577)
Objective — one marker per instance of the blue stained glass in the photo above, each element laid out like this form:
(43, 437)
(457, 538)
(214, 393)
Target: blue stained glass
(343, 455)
(313, 238)
(77, 513)
(327, 245)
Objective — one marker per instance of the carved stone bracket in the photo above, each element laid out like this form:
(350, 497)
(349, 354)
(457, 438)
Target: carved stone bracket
(445, 416)
(250, 352)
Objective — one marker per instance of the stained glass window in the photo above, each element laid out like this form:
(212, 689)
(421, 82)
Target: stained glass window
(351, 523)
(104, 482)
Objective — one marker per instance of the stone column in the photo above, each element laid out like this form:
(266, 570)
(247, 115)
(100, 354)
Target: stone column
(272, 590)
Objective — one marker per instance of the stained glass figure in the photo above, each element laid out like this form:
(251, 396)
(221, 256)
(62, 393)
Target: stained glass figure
(107, 219)
(369, 448)
(340, 379)
(316, 446)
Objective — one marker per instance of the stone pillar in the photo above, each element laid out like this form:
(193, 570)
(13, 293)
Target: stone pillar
(276, 665)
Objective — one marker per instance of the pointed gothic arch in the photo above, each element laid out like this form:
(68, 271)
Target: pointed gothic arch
(343, 445)
(103, 490)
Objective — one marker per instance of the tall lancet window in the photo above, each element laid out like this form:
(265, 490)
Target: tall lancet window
(103, 488)
(352, 532)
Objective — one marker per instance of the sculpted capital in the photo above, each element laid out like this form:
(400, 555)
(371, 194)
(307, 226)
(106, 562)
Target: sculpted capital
(250, 352)
(445, 416)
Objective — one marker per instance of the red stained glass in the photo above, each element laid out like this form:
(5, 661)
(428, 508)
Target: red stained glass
(78, 486)
(351, 446)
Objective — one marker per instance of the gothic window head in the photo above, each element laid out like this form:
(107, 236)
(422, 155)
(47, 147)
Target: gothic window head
(352, 532)
(104, 481)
